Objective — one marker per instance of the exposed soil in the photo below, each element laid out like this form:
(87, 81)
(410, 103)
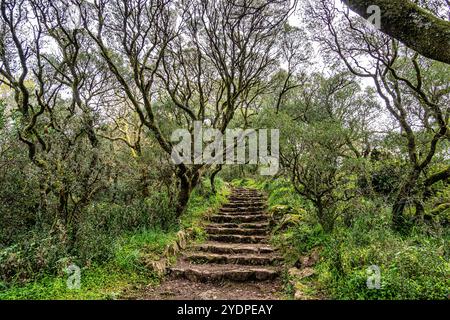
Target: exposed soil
(182, 289)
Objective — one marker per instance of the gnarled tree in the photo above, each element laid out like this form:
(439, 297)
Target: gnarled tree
(413, 25)
(200, 59)
(418, 103)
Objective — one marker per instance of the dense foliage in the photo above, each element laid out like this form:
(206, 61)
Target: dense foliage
(90, 97)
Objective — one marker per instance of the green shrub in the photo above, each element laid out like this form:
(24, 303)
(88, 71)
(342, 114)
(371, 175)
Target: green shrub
(131, 251)
(31, 257)
(415, 267)
(385, 176)
(103, 222)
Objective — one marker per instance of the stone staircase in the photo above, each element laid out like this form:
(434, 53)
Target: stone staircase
(237, 248)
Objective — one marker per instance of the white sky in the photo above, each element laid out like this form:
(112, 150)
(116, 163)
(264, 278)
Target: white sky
(384, 122)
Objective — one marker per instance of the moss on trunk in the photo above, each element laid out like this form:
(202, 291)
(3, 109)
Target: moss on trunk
(412, 25)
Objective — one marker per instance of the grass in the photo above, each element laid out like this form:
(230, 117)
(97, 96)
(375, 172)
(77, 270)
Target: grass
(413, 266)
(148, 244)
(126, 269)
(201, 203)
(100, 281)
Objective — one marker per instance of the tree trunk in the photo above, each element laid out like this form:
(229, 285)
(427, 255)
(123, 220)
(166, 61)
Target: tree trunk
(412, 25)
(420, 210)
(184, 193)
(43, 203)
(62, 207)
(398, 219)
(187, 182)
(144, 183)
(212, 178)
(325, 220)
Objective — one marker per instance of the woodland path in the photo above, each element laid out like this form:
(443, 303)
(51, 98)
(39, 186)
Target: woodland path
(235, 263)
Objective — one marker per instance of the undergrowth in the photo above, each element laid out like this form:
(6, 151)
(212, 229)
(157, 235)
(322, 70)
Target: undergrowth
(412, 266)
(110, 265)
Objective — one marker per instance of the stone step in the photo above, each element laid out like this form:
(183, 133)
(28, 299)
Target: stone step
(236, 238)
(242, 194)
(234, 204)
(246, 196)
(237, 248)
(238, 231)
(264, 226)
(242, 213)
(217, 273)
(241, 209)
(233, 248)
(250, 194)
(246, 199)
(239, 218)
(241, 259)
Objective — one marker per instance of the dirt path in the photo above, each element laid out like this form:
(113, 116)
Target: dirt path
(235, 263)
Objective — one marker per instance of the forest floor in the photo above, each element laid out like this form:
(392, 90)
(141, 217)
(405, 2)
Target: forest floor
(182, 289)
(235, 263)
